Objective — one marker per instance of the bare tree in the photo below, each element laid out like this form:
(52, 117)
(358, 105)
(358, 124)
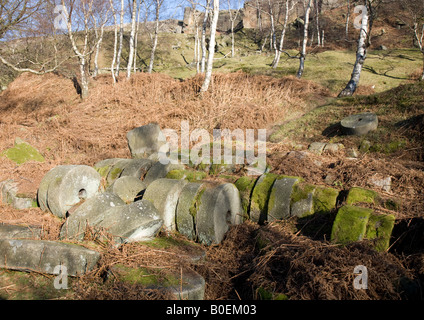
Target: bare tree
(368, 12)
(132, 38)
(158, 5)
(212, 43)
(305, 40)
(121, 39)
(283, 32)
(414, 18)
(203, 40)
(81, 12)
(31, 22)
(233, 19)
(100, 12)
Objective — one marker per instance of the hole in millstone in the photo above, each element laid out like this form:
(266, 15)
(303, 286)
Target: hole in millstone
(228, 218)
(82, 194)
(360, 119)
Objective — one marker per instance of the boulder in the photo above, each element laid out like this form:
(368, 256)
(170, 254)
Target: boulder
(220, 208)
(69, 186)
(23, 152)
(146, 141)
(164, 194)
(45, 256)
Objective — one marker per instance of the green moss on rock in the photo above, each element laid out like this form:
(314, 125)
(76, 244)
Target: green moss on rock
(245, 186)
(23, 152)
(260, 197)
(190, 176)
(350, 224)
(359, 195)
(380, 229)
(325, 199)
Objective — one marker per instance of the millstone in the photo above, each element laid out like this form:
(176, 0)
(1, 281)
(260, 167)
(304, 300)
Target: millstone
(359, 124)
(103, 167)
(45, 256)
(19, 232)
(220, 207)
(280, 199)
(164, 194)
(139, 221)
(69, 186)
(127, 188)
(187, 209)
(137, 168)
(116, 170)
(160, 171)
(89, 212)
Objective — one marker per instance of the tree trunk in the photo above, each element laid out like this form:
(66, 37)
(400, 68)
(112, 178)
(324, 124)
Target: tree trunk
(136, 38)
(283, 34)
(121, 40)
(233, 50)
(347, 20)
(204, 26)
(212, 43)
(84, 78)
(115, 42)
(361, 55)
(155, 37)
(317, 21)
(132, 39)
(305, 41)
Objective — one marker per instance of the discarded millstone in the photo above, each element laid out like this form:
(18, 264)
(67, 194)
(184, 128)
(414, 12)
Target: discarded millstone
(147, 141)
(19, 232)
(188, 205)
(46, 256)
(103, 167)
(280, 198)
(137, 168)
(67, 186)
(23, 152)
(164, 194)
(220, 208)
(182, 285)
(188, 175)
(116, 170)
(86, 214)
(136, 222)
(160, 171)
(355, 224)
(260, 196)
(245, 186)
(359, 124)
(128, 188)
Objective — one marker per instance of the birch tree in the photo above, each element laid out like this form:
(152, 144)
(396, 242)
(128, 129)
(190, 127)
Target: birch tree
(305, 40)
(212, 43)
(203, 40)
(233, 19)
(32, 21)
(83, 10)
(121, 39)
(278, 51)
(157, 5)
(132, 38)
(367, 14)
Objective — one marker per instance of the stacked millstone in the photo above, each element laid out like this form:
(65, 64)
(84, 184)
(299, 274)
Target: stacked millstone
(274, 197)
(356, 223)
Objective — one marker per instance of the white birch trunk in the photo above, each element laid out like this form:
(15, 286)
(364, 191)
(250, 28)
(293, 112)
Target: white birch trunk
(305, 41)
(132, 39)
(283, 34)
(115, 42)
(361, 55)
(121, 39)
(212, 43)
(155, 37)
(203, 43)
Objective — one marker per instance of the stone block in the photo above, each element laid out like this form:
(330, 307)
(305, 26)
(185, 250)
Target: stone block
(146, 142)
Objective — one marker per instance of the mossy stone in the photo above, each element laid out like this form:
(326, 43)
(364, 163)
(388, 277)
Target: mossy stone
(325, 199)
(188, 175)
(245, 185)
(260, 197)
(23, 152)
(359, 195)
(350, 224)
(380, 229)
